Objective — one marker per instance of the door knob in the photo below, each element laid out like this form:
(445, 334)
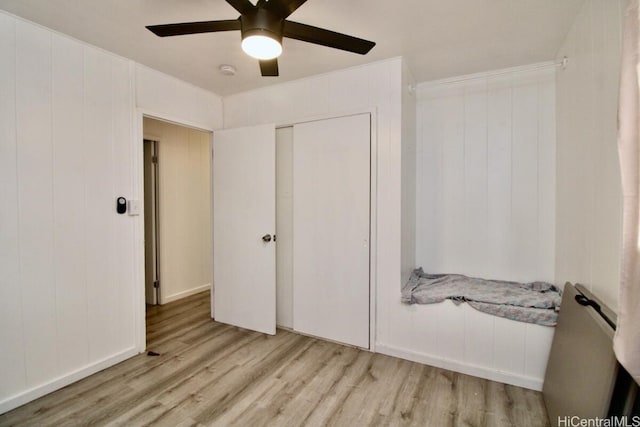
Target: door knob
(266, 238)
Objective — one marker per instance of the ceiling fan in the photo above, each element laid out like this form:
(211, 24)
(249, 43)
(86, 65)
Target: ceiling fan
(263, 26)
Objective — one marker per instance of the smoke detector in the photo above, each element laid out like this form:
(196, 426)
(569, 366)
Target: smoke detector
(227, 70)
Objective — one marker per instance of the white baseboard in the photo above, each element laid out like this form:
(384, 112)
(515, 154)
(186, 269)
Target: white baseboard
(170, 298)
(469, 369)
(57, 383)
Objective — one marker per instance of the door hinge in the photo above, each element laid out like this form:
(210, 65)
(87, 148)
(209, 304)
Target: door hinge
(154, 159)
(156, 284)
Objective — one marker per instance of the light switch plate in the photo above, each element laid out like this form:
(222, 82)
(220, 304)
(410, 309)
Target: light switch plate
(133, 207)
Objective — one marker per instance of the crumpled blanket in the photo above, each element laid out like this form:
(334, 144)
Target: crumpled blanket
(536, 302)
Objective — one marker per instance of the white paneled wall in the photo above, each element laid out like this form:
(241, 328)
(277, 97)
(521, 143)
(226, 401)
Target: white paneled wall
(486, 175)
(589, 214)
(484, 207)
(408, 186)
(34, 167)
(463, 339)
(166, 97)
(67, 289)
(11, 333)
(68, 179)
(71, 290)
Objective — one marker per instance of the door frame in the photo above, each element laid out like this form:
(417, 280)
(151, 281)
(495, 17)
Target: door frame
(373, 203)
(138, 194)
(155, 217)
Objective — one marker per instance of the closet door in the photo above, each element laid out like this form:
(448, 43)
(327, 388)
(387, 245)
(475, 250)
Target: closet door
(331, 211)
(244, 252)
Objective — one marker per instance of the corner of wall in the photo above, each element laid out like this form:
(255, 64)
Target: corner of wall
(588, 189)
(408, 180)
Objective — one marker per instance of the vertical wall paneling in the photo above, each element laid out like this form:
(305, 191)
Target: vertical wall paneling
(509, 346)
(607, 202)
(299, 93)
(536, 337)
(479, 337)
(499, 226)
(486, 176)
(449, 343)
(385, 93)
(475, 177)
(573, 156)
(34, 141)
(180, 102)
(122, 177)
(236, 109)
(405, 338)
(485, 198)
(546, 242)
(429, 182)
(524, 176)
(100, 196)
(347, 90)
(450, 201)
(408, 186)
(69, 203)
(268, 107)
(589, 202)
(12, 356)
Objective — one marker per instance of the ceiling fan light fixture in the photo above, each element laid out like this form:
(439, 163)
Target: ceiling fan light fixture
(261, 31)
(262, 25)
(261, 46)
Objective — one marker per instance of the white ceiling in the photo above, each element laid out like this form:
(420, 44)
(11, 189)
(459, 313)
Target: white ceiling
(439, 38)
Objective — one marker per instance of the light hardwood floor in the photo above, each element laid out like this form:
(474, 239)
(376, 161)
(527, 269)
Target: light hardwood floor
(209, 373)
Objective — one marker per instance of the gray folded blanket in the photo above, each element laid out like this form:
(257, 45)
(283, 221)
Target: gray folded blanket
(536, 302)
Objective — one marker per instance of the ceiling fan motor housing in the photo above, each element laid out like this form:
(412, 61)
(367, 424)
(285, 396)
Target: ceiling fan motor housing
(262, 22)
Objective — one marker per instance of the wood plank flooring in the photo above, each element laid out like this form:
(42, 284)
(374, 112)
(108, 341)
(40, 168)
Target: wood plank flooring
(213, 374)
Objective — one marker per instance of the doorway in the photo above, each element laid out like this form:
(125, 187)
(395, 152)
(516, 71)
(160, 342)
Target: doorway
(177, 202)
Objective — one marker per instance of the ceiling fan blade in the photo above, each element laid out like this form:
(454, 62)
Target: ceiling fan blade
(242, 6)
(283, 8)
(184, 28)
(307, 33)
(269, 67)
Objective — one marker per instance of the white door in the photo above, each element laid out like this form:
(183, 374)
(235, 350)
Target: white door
(331, 194)
(244, 275)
